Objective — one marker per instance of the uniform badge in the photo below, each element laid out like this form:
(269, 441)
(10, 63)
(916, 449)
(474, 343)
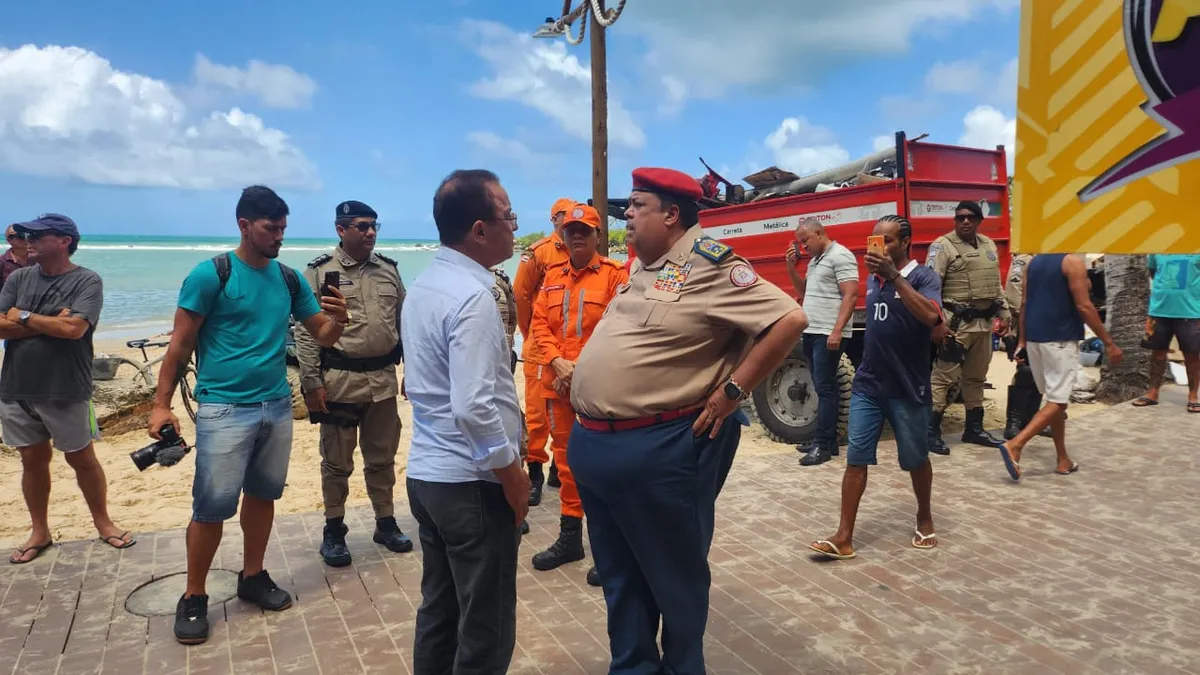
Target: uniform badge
(495, 292)
(991, 255)
(742, 275)
(671, 277)
(577, 213)
(526, 256)
(345, 208)
(711, 249)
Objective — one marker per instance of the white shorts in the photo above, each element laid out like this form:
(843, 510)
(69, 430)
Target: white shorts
(1054, 366)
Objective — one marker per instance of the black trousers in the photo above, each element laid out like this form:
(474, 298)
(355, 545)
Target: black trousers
(466, 624)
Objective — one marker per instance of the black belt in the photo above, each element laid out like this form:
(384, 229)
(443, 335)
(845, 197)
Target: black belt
(334, 359)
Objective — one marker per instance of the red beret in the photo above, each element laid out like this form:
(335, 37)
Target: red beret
(668, 182)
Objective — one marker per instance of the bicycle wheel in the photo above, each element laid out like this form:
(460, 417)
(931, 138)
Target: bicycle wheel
(187, 380)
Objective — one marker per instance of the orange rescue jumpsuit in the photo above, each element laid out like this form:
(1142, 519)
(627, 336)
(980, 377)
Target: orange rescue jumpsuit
(530, 273)
(568, 307)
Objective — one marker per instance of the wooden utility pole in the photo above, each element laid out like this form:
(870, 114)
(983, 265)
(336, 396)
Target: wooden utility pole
(599, 126)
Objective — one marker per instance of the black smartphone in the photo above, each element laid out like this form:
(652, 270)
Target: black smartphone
(1021, 355)
(332, 280)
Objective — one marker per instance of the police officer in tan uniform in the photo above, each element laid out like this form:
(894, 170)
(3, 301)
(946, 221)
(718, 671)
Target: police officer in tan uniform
(506, 302)
(969, 265)
(351, 388)
(657, 389)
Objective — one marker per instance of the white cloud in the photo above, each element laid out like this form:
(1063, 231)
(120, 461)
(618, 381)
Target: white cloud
(987, 127)
(277, 86)
(545, 76)
(66, 112)
(507, 148)
(711, 45)
(883, 142)
(804, 148)
(975, 78)
(674, 96)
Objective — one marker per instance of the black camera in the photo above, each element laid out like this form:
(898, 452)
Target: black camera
(166, 452)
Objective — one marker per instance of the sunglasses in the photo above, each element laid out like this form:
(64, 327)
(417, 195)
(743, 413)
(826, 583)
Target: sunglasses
(963, 218)
(364, 226)
(13, 237)
(34, 236)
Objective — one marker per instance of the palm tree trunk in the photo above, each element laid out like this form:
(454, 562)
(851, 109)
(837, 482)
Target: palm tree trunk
(1127, 298)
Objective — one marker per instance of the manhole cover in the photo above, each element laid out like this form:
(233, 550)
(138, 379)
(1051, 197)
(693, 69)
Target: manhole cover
(159, 597)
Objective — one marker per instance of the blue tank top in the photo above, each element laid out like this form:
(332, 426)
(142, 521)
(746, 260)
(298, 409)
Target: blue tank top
(1050, 314)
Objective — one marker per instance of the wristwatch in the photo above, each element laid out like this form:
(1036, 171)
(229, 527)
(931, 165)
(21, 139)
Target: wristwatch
(23, 317)
(735, 392)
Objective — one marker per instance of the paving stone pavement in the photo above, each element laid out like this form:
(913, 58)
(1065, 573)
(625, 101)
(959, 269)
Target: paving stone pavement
(1090, 573)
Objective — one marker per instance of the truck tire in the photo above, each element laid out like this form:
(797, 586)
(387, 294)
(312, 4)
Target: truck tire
(786, 403)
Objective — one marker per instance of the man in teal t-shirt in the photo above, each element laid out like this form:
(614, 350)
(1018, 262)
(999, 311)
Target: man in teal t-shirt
(244, 416)
(1174, 313)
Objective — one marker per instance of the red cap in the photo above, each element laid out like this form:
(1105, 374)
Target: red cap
(668, 182)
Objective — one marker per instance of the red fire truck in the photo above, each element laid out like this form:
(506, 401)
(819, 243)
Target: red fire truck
(920, 181)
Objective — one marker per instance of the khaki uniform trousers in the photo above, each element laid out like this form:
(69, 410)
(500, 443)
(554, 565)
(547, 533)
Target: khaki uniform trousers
(973, 372)
(378, 432)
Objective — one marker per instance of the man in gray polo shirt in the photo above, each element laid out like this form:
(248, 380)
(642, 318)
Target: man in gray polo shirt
(828, 294)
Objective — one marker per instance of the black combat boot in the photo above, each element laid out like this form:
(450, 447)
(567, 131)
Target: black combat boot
(937, 444)
(333, 544)
(974, 432)
(553, 480)
(388, 534)
(535, 483)
(566, 549)
(1015, 412)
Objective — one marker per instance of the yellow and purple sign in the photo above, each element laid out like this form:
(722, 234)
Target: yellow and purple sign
(1108, 127)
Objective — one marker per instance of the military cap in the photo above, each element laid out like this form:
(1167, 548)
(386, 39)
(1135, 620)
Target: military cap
(973, 207)
(667, 182)
(355, 209)
(561, 205)
(582, 213)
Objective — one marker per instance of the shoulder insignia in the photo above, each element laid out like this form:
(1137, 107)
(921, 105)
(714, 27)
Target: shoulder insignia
(612, 263)
(540, 242)
(742, 275)
(526, 255)
(319, 260)
(500, 273)
(712, 249)
(387, 260)
(495, 293)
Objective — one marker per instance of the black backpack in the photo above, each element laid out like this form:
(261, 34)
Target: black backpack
(224, 265)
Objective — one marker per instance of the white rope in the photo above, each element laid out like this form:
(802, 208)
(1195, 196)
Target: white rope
(605, 18)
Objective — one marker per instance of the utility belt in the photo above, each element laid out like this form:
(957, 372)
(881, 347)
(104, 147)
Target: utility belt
(336, 359)
(951, 350)
(339, 415)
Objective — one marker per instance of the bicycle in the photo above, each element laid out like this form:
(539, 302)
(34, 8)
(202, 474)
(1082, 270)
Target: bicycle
(185, 382)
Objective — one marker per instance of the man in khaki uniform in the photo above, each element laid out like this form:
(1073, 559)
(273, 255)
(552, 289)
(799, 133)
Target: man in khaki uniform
(657, 389)
(506, 302)
(351, 388)
(969, 265)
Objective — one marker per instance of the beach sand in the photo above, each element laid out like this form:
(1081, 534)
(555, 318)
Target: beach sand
(160, 497)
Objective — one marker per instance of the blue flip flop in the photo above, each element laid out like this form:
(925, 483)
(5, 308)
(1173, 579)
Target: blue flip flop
(1014, 469)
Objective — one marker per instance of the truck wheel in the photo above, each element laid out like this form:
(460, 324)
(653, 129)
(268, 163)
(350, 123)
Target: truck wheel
(786, 402)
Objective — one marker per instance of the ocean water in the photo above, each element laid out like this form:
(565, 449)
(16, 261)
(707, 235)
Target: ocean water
(142, 275)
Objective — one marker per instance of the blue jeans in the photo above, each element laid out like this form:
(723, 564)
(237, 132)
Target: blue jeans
(823, 364)
(239, 448)
(909, 421)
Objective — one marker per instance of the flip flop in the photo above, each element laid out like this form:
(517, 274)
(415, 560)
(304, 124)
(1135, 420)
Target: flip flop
(1193, 406)
(120, 539)
(1014, 468)
(834, 552)
(1143, 402)
(15, 558)
(1073, 469)
(919, 540)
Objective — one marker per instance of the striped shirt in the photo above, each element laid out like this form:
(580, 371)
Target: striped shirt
(822, 297)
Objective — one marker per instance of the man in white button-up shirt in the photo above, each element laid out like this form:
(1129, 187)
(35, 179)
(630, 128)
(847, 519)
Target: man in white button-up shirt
(466, 486)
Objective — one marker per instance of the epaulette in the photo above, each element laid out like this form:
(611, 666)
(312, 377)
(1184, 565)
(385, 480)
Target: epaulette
(319, 260)
(387, 260)
(540, 242)
(500, 273)
(614, 263)
(713, 250)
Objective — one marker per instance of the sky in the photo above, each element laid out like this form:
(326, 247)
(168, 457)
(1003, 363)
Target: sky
(146, 117)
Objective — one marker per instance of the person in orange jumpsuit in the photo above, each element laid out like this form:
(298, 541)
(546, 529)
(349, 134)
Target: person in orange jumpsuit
(530, 272)
(574, 295)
